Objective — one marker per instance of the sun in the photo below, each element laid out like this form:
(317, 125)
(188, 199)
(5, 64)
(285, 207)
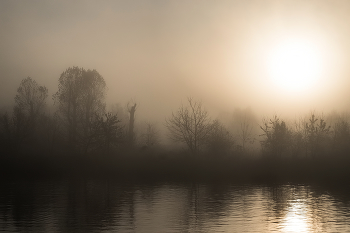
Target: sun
(295, 65)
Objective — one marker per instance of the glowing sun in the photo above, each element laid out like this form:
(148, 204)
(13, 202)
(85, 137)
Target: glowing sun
(295, 65)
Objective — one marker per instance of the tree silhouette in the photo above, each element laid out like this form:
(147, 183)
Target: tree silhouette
(150, 137)
(15, 131)
(131, 134)
(190, 125)
(341, 136)
(317, 131)
(219, 140)
(80, 97)
(30, 98)
(22, 126)
(111, 132)
(245, 133)
(277, 137)
(298, 142)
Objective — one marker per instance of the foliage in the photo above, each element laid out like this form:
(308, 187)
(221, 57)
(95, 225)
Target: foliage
(80, 97)
(277, 137)
(297, 140)
(110, 132)
(30, 98)
(22, 125)
(317, 132)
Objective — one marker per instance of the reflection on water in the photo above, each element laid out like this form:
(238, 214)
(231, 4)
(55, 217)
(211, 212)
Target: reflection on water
(105, 206)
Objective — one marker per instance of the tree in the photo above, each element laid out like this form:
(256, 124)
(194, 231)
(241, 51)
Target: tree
(298, 144)
(243, 124)
(80, 97)
(108, 132)
(317, 132)
(150, 136)
(112, 132)
(22, 126)
(341, 137)
(277, 136)
(245, 133)
(15, 131)
(30, 98)
(190, 125)
(131, 135)
(219, 140)
(29, 105)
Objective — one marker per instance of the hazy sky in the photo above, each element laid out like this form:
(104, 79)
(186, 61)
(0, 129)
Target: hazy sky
(160, 52)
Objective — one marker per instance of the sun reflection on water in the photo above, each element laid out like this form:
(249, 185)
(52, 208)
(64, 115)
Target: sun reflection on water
(296, 218)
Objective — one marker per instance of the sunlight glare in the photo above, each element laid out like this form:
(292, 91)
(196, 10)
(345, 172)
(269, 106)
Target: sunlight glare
(295, 220)
(295, 65)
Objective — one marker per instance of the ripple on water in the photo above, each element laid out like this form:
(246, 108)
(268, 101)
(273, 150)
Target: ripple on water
(101, 206)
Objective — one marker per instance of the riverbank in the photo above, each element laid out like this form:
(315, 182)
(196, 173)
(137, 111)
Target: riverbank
(178, 167)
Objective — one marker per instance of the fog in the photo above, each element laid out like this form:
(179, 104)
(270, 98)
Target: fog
(158, 53)
(159, 116)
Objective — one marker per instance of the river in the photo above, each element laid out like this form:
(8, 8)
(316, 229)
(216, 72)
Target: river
(108, 206)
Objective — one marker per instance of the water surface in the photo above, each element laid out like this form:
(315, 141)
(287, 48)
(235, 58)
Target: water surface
(106, 206)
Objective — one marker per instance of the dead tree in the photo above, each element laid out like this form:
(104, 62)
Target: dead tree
(131, 135)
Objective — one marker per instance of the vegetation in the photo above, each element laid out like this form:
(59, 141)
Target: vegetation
(81, 103)
(82, 137)
(190, 125)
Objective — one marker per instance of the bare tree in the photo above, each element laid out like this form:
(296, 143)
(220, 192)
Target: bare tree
(243, 124)
(131, 135)
(190, 125)
(150, 136)
(245, 133)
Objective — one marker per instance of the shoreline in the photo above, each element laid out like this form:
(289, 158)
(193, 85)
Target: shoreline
(333, 171)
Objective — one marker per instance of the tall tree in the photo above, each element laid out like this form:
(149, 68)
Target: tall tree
(30, 98)
(22, 126)
(80, 97)
(190, 125)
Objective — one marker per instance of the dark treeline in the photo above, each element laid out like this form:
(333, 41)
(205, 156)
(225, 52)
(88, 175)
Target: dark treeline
(80, 137)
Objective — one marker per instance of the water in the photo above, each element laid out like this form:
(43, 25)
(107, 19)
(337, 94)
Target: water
(105, 206)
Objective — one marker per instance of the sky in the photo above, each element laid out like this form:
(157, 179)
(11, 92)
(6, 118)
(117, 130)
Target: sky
(158, 53)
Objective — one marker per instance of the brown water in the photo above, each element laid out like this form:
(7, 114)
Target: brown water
(105, 206)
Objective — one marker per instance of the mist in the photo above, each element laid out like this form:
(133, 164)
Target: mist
(167, 116)
(159, 53)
